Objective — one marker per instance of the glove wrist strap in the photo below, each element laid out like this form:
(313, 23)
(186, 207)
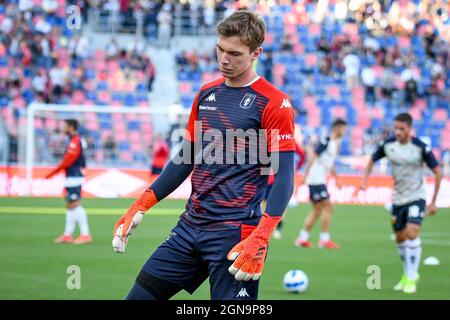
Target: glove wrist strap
(266, 226)
(145, 201)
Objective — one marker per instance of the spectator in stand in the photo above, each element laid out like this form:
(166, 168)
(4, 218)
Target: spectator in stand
(286, 44)
(151, 73)
(112, 49)
(110, 149)
(39, 83)
(91, 147)
(410, 90)
(351, 64)
(387, 83)
(165, 26)
(58, 77)
(368, 79)
(56, 143)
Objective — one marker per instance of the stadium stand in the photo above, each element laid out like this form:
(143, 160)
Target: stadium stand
(364, 63)
(364, 72)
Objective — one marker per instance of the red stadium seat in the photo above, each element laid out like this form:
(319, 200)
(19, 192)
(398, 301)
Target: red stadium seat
(104, 96)
(309, 102)
(126, 156)
(377, 113)
(269, 38)
(99, 156)
(333, 91)
(404, 42)
(78, 97)
(136, 147)
(299, 48)
(185, 87)
(440, 115)
(38, 124)
(132, 117)
(339, 112)
(4, 72)
(415, 113)
(92, 126)
(314, 29)
(311, 59)
(99, 55)
(135, 136)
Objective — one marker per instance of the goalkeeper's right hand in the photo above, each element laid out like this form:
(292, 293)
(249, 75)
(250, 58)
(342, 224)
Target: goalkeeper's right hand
(131, 219)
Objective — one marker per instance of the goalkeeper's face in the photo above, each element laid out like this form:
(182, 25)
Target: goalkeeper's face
(234, 57)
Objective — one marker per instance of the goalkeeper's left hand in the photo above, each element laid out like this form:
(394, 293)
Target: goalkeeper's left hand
(249, 255)
(131, 219)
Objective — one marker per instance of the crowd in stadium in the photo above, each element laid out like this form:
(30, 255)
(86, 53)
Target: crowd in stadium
(394, 53)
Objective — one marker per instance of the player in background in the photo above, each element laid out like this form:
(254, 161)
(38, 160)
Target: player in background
(320, 164)
(72, 164)
(160, 153)
(223, 233)
(301, 161)
(407, 156)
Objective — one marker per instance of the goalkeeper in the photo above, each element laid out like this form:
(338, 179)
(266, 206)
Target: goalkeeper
(222, 234)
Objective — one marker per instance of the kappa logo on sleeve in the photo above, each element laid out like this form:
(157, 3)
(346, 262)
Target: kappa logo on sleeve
(285, 104)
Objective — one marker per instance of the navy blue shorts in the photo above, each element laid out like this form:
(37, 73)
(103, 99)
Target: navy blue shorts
(190, 255)
(318, 193)
(412, 212)
(73, 194)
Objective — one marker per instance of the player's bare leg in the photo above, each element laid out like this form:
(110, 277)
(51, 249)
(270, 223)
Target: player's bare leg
(325, 239)
(303, 237)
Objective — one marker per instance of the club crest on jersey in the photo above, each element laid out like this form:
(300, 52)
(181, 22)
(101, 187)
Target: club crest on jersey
(247, 100)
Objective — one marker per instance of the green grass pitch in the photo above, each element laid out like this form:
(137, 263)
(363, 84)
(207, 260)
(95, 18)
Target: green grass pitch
(33, 267)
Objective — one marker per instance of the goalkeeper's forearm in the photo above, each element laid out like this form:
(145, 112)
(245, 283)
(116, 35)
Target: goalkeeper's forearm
(283, 186)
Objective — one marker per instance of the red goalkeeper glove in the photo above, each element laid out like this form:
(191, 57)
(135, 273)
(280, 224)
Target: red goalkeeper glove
(249, 254)
(131, 219)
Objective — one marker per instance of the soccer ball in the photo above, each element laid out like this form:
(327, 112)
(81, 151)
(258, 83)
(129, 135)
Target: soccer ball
(295, 281)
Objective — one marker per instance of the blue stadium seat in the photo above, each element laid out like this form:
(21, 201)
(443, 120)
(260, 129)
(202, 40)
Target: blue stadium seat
(124, 146)
(117, 96)
(129, 100)
(138, 157)
(133, 125)
(91, 95)
(103, 85)
(4, 61)
(105, 125)
(4, 101)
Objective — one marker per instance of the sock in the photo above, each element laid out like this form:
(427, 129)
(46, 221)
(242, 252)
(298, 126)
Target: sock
(279, 225)
(401, 249)
(70, 222)
(413, 253)
(324, 236)
(303, 235)
(82, 220)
